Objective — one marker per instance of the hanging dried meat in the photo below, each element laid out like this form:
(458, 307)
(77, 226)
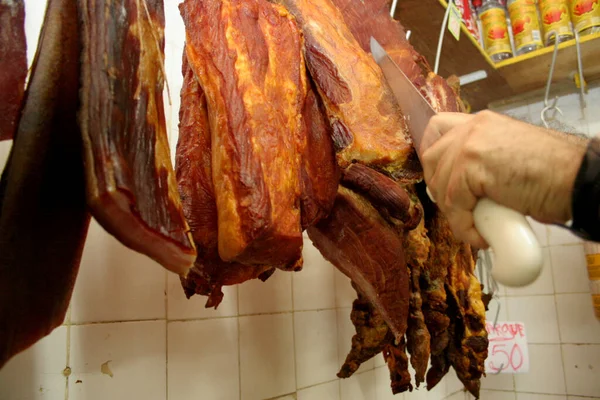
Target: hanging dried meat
(43, 217)
(416, 250)
(367, 124)
(367, 249)
(194, 176)
(247, 56)
(286, 124)
(132, 190)
(467, 349)
(320, 173)
(13, 64)
(368, 19)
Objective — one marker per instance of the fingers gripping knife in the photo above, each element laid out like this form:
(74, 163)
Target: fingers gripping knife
(517, 253)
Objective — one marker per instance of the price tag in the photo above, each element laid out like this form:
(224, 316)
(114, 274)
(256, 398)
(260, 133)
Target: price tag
(507, 350)
(454, 18)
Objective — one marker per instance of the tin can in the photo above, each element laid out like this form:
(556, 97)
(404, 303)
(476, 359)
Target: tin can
(468, 17)
(556, 21)
(496, 40)
(525, 25)
(585, 15)
(592, 255)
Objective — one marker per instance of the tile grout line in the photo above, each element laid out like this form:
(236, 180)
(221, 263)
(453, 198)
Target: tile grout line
(294, 333)
(68, 355)
(239, 340)
(562, 356)
(337, 330)
(166, 335)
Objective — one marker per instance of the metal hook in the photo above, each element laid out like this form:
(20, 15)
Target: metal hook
(580, 72)
(500, 370)
(497, 311)
(548, 107)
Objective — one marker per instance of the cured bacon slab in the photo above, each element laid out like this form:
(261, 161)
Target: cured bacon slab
(131, 184)
(13, 64)
(247, 56)
(43, 216)
(363, 246)
(193, 168)
(367, 124)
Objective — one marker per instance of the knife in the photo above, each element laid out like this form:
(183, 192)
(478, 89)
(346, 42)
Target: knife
(516, 251)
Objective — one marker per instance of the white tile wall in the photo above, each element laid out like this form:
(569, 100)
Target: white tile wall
(577, 321)
(267, 356)
(37, 373)
(569, 269)
(203, 359)
(359, 386)
(312, 286)
(582, 363)
(315, 336)
(285, 338)
(115, 283)
(118, 361)
(539, 315)
(274, 295)
(546, 374)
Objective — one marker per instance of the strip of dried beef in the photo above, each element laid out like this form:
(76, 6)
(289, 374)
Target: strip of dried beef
(367, 249)
(131, 185)
(13, 65)
(43, 216)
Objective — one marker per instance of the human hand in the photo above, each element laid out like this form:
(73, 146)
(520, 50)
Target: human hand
(515, 164)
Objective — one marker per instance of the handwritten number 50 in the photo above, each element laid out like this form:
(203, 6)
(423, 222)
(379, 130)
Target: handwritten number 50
(514, 359)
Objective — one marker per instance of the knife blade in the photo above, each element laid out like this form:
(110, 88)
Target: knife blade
(517, 254)
(413, 104)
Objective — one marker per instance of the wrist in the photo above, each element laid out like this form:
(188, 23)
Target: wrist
(566, 156)
(586, 194)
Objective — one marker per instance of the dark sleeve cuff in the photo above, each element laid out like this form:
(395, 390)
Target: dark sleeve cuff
(586, 195)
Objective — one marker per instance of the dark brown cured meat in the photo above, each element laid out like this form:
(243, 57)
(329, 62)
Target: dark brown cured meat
(433, 291)
(372, 18)
(320, 173)
(193, 168)
(363, 246)
(391, 200)
(365, 118)
(131, 184)
(397, 362)
(13, 65)
(247, 56)
(43, 217)
(416, 250)
(469, 344)
(368, 19)
(372, 335)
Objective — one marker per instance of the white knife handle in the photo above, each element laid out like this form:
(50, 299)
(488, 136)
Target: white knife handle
(517, 253)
